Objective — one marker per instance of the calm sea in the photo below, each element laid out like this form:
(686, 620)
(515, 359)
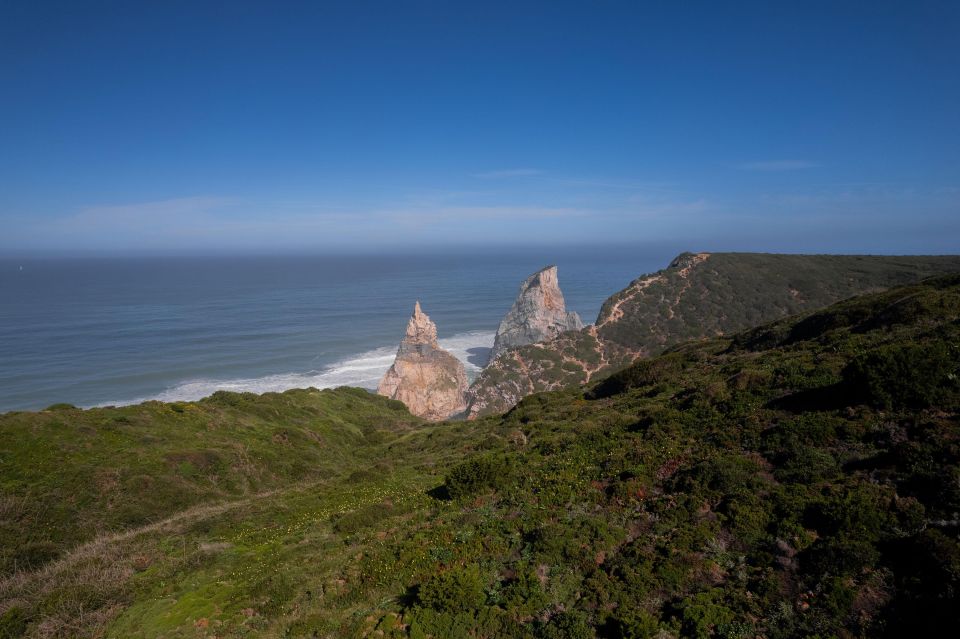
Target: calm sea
(118, 331)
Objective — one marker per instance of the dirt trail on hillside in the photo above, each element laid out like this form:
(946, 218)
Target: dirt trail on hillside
(100, 544)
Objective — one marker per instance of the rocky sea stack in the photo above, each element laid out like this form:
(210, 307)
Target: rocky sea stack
(539, 314)
(429, 380)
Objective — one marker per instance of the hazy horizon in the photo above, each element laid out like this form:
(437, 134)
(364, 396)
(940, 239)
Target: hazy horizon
(671, 249)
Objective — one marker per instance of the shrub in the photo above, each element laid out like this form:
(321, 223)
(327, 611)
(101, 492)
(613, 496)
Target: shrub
(644, 373)
(571, 624)
(861, 511)
(836, 597)
(701, 614)
(351, 522)
(34, 554)
(459, 589)
(61, 406)
(13, 623)
(486, 472)
(272, 593)
(524, 596)
(911, 376)
(576, 542)
(487, 622)
(634, 624)
(838, 556)
(806, 464)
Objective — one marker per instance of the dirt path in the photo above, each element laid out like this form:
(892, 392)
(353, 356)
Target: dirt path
(615, 311)
(98, 545)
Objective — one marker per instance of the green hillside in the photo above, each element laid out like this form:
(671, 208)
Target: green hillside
(68, 475)
(801, 479)
(698, 296)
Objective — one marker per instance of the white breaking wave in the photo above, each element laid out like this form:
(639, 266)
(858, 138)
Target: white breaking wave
(460, 346)
(363, 370)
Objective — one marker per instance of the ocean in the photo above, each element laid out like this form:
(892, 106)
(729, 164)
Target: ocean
(113, 331)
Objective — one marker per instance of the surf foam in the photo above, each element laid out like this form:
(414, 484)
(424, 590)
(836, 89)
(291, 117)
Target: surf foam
(363, 370)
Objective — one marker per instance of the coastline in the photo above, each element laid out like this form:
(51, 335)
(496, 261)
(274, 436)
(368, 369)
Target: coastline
(362, 370)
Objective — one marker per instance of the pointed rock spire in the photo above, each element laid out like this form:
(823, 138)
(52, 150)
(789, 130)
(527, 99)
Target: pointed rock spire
(538, 314)
(429, 380)
(421, 329)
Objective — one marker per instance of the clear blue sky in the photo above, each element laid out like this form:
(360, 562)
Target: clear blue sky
(238, 126)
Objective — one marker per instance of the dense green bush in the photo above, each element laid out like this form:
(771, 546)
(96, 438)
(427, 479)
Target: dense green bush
(567, 625)
(704, 615)
(484, 472)
(455, 590)
(633, 624)
(62, 406)
(904, 376)
(644, 373)
(524, 595)
(13, 623)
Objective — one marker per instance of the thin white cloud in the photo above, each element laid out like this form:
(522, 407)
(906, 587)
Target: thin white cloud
(777, 165)
(666, 207)
(603, 183)
(507, 173)
(147, 215)
(864, 198)
(218, 222)
(445, 214)
(446, 218)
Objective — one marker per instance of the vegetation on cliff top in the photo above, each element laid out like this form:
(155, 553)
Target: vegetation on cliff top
(698, 296)
(799, 479)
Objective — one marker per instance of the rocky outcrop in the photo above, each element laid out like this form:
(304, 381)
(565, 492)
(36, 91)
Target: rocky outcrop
(539, 314)
(429, 380)
(699, 295)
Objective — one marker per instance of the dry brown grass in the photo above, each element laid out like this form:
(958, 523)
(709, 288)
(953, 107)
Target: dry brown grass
(79, 594)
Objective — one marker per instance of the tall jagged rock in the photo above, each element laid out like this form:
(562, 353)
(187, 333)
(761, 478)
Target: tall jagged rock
(538, 315)
(428, 379)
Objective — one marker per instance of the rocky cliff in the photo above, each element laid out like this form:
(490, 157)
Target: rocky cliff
(539, 314)
(698, 295)
(429, 380)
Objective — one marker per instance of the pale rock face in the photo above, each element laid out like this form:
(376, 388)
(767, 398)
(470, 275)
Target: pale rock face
(429, 380)
(538, 315)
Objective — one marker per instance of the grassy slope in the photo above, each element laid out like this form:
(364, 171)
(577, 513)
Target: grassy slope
(67, 475)
(801, 479)
(694, 298)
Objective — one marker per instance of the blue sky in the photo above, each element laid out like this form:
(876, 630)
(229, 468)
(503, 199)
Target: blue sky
(266, 127)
